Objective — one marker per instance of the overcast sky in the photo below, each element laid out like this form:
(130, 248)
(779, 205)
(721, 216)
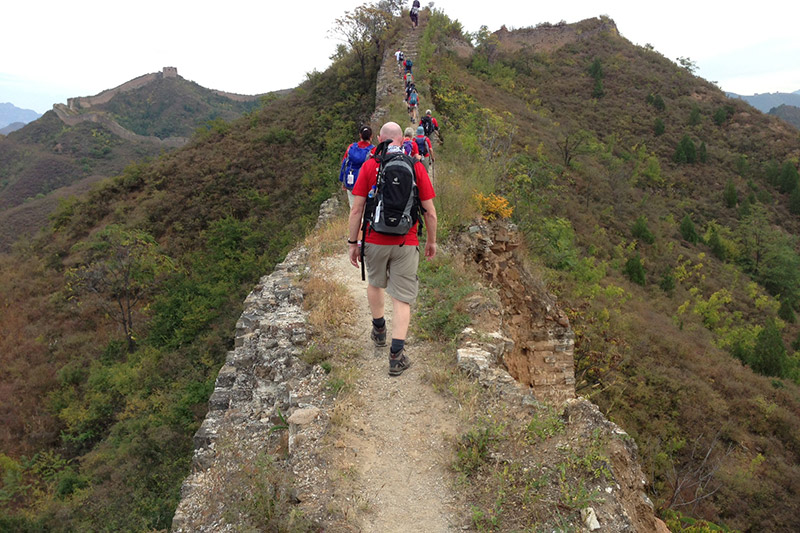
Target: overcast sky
(56, 50)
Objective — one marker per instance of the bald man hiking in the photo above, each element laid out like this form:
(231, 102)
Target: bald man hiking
(392, 197)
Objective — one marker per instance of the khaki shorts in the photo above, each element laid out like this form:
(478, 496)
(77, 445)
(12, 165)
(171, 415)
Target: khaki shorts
(394, 268)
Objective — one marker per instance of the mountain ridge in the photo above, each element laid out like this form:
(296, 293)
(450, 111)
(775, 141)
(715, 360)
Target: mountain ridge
(9, 114)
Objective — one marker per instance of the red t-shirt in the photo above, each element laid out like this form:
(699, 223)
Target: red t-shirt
(369, 177)
(433, 120)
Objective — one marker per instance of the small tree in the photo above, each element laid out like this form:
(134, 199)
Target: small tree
(794, 201)
(786, 312)
(659, 127)
(641, 231)
(598, 91)
(715, 243)
(720, 116)
(702, 153)
(688, 64)
(634, 269)
(122, 267)
(730, 195)
(694, 116)
(686, 152)
(688, 231)
(573, 144)
(788, 178)
(769, 353)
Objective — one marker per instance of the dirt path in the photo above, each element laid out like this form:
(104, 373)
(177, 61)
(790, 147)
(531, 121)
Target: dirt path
(397, 443)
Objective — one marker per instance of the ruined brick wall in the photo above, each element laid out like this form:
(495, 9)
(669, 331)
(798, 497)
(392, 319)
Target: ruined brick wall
(541, 354)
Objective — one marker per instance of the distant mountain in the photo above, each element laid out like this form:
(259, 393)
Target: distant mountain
(94, 137)
(14, 126)
(789, 113)
(9, 114)
(765, 102)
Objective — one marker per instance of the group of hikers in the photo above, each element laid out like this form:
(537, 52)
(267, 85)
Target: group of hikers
(391, 194)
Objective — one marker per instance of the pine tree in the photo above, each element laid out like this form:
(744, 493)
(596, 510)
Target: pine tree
(730, 196)
(635, 270)
(715, 243)
(659, 127)
(702, 153)
(641, 231)
(794, 201)
(686, 152)
(769, 353)
(788, 178)
(694, 116)
(786, 312)
(688, 232)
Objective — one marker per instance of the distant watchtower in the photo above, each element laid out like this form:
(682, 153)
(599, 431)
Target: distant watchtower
(170, 72)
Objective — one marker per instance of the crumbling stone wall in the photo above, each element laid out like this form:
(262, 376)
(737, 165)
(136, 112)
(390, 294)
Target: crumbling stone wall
(540, 355)
(71, 118)
(263, 383)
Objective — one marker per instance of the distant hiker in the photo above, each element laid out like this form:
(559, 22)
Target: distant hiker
(425, 148)
(413, 104)
(400, 60)
(409, 64)
(409, 89)
(389, 196)
(429, 123)
(414, 14)
(408, 77)
(409, 144)
(354, 157)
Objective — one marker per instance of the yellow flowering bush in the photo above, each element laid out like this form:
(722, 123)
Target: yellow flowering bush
(493, 207)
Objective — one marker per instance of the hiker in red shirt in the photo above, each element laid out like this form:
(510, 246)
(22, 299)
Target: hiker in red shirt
(391, 261)
(409, 145)
(425, 147)
(430, 125)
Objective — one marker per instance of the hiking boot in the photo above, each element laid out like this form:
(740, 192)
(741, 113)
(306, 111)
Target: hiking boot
(398, 363)
(378, 336)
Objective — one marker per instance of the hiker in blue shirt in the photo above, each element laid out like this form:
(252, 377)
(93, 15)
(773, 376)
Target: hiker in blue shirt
(354, 157)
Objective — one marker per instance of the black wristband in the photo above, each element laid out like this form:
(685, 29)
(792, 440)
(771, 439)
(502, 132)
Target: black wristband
(351, 242)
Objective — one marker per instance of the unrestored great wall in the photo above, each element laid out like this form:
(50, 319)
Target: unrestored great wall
(520, 346)
(79, 109)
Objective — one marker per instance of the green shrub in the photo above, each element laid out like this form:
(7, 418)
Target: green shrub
(769, 353)
(659, 127)
(688, 231)
(730, 196)
(641, 231)
(686, 152)
(634, 269)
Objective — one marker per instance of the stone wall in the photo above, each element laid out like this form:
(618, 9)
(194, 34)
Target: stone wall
(535, 344)
(264, 383)
(71, 118)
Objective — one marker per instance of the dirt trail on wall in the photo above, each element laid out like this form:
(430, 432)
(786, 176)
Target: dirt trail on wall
(397, 443)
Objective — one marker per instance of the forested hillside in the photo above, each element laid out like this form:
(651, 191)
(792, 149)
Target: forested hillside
(665, 216)
(49, 159)
(115, 321)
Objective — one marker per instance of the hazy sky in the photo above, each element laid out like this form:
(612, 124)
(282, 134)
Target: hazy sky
(56, 50)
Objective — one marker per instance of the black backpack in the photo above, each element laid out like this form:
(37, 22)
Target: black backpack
(395, 207)
(427, 125)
